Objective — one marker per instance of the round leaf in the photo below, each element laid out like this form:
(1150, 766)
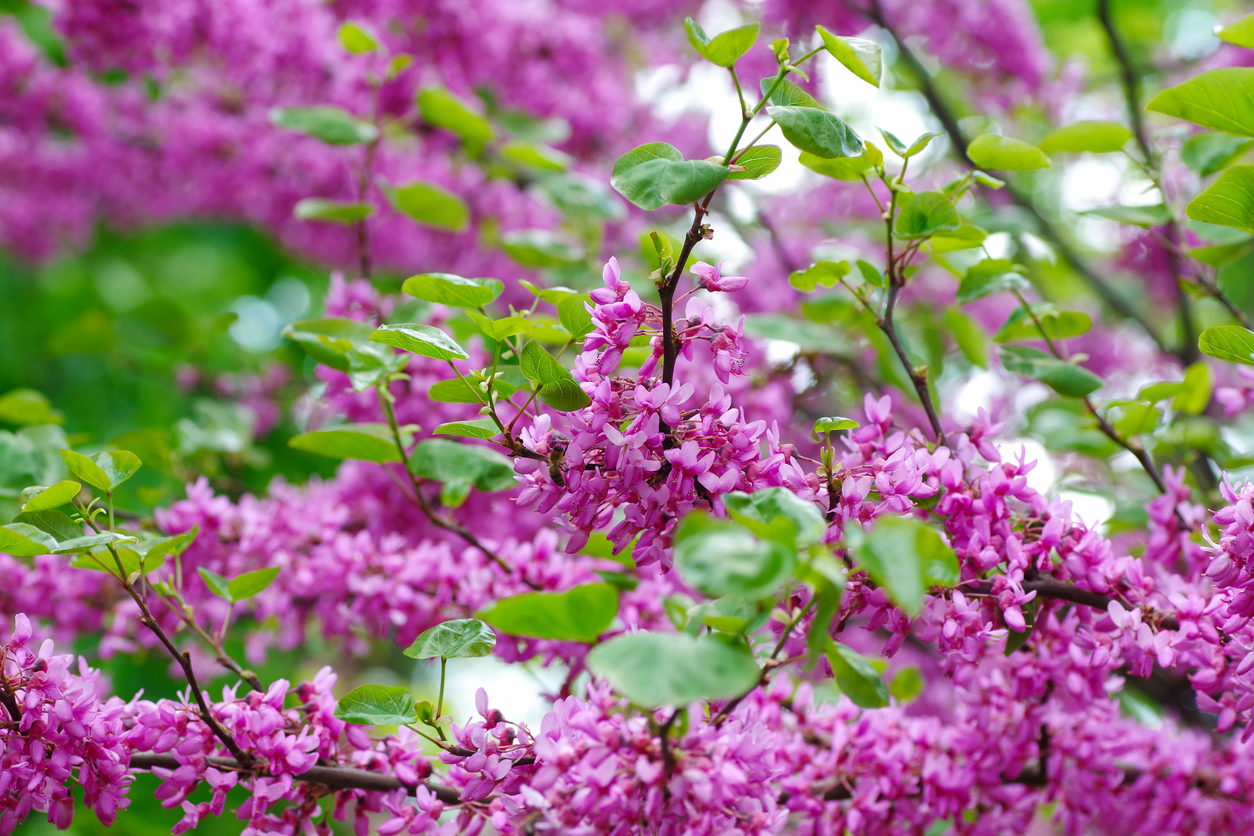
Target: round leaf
(1001, 153)
(654, 669)
(460, 638)
(377, 705)
(420, 339)
(581, 614)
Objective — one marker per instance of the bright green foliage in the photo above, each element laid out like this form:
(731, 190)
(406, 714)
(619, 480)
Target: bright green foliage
(458, 639)
(449, 461)
(848, 169)
(655, 669)
(535, 156)
(45, 499)
(990, 276)
(858, 55)
(787, 94)
(332, 211)
(104, 471)
(1209, 151)
(1220, 99)
(856, 677)
(240, 588)
(329, 340)
(1093, 137)
(538, 248)
(27, 406)
(581, 614)
(816, 131)
(420, 339)
(970, 337)
(777, 514)
(1057, 325)
(1064, 378)
(377, 705)
(924, 214)
(720, 558)
(456, 291)
(1228, 342)
(575, 317)
(724, 48)
(907, 684)
(1229, 201)
(1154, 214)
(557, 387)
(825, 273)
(368, 442)
(357, 38)
(51, 532)
(1002, 153)
(1240, 33)
(1190, 396)
(655, 174)
(441, 108)
(429, 205)
(332, 125)
(759, 161)
(904, 556)
(478, 428)
(834, 423)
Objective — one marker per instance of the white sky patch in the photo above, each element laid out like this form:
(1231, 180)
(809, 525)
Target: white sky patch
(514, 689)
(1093, 510)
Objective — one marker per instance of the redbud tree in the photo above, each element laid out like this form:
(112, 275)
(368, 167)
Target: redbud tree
(841, 408)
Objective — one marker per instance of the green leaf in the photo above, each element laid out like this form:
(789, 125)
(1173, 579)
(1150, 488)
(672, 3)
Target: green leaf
(455, 291)
(858, 55)
(856, 677)
(250, 583)
(1093, 137)
(1136, 418)
(575, 318)
(654, 669)
(970, 337)
(461, 638)
(420, 339)
(759, 161)
(564, 395)
(371, 364)
(990, 276)
(720, 558)
(656, 174)
(357, 38)
(1240, 33)
(429, 205)
(332, 125)
(101, 561)
(538, 248)
(1001, 153)
(921, 143)
(104, 471)
(1207, 151)
(43, 499)
(816, 131)
(455, 391)
(26, 407)
(1064, 378)
(536, 156)
(13, 541)
(1143, 216)
(846, 169)
(377, 705)
(788, 94)
(778, 514)
(332, 211)
(833, 423)
(1220, 99)
(725, 48)
(898, 147)
(825, 273)
(924, 214)
(903, 556)
(478, 428)
(870, 273)
(498, 329)
(1228, 342)
(217, 584)
(369, 442)
(1229, 201)
(441, 108)
(1058, 325)
(907, 684)
(329, 340)
(539, 366)
(450, 461)
(581, 614)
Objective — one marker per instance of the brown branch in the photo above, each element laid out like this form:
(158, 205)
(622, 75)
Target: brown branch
(335, 777)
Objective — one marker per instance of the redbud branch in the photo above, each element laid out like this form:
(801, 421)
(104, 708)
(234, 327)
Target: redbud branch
(949, 123)
(335, 777)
